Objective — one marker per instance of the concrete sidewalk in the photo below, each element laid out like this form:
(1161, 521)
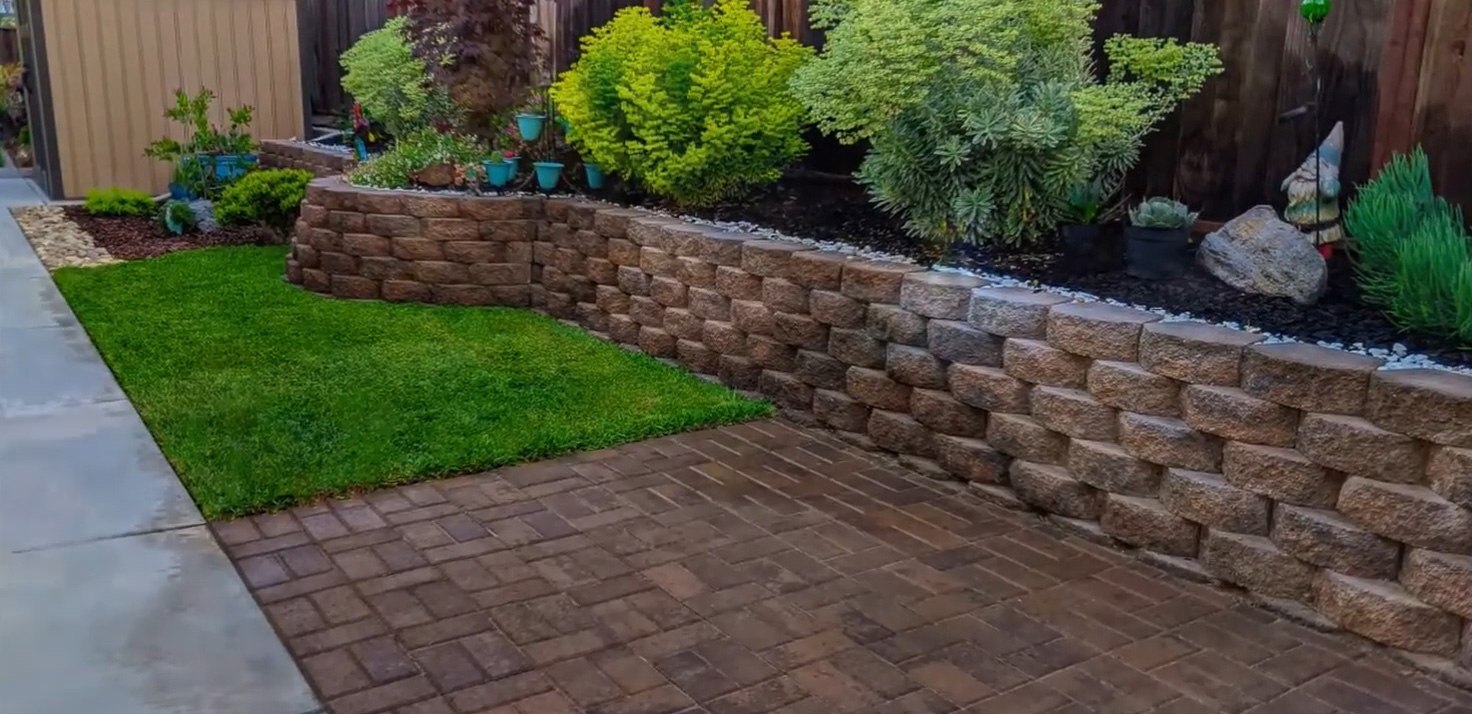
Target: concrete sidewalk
(114, 597)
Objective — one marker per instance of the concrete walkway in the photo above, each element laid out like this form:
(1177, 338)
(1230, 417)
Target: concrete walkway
(114, 597)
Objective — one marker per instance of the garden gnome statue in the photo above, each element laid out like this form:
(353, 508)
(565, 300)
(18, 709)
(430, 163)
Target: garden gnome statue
(1313, 194)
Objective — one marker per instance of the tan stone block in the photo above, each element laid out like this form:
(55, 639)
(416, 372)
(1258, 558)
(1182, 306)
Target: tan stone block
(785, 296)
(1054, 490)
(817, 269)
(1280, 474)
(840, 411)
(600, 270)
(679, 322)
(590, 244)
(786, 390)
(769, 258)
(893, 323)
(591, 318)
(1073, 412)
(1098, 330)
(989, 388)
(316, 280)
(501, 273)
(723, 337)
(509, 231)
(622, 252)
(569, 261)
(521, 296)
(451, 229)
(1208, 499)
(799, 331)
(1168, 442)
(943, 296)
(1038, 362)
(874, 280)
(657, 262)
(1409, 514)
(1012, 312)
(363, 244)
(1354, 445)
(821, 370)
(633, 281)
(1308, 377)
(738, 373)
(405, 291)
(611, 300)
(1022, 437)
(393, 226)
(325, 240)
(831, 308)
(338, 263)
(1146, 523)
(649, 232)
(855, 347)
(646, 312)
(306, 255)
(1449, 471)
(959, 342)
(436, 272)
(667, 291)
(709, 304)
(768, 353)
(942, 413)
(1231, 413)
(877, 390)
(1428, 404)
(1132, 388)
(1256, 564)
(379, 202)
(900, 433)
(581, 288)
(1386, 613)
(346, 222)
(383, 268)
(623, 329)
(614, 222)
(696, 273)
(656, 342)
(1195, 352)
(354, 287)
(752, 317)
(462, 295)
(1109, 467)
(1328, 540)
(738, 284)
(973, 460)
(914, 366)
(713, 245)
(1441, 579)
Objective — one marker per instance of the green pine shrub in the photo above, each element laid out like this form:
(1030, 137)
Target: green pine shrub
(383, 75)
(118, 202)
(415, 152)
(694, 105)
(983, 115)
(1411, 250)
(270, 198)
(178, 217)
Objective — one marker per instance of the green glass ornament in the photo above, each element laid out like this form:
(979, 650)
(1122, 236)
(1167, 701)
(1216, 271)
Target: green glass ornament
(1315, 10)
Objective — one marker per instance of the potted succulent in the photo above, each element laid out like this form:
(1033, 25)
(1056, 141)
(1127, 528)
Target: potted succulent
(1156, 239)
(501, 168)
(1079, 235)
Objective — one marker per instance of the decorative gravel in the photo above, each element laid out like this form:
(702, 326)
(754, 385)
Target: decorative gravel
(57, 240)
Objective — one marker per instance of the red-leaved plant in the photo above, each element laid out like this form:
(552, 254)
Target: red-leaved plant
(484, 51)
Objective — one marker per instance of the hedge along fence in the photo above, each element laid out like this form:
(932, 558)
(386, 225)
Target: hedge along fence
(1301, 474)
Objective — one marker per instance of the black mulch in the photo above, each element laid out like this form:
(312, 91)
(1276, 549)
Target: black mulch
(136, 238)
(837, 210)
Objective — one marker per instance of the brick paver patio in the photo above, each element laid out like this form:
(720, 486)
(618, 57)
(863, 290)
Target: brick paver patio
(764, 568)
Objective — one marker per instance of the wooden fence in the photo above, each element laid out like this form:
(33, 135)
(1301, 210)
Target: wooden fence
(328, 28)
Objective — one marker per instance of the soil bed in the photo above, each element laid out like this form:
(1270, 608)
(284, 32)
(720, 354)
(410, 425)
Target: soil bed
(136, 238)
(839, 211)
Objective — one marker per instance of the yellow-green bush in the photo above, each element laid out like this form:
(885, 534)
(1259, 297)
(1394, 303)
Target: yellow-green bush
(383, 75)
(693, 105)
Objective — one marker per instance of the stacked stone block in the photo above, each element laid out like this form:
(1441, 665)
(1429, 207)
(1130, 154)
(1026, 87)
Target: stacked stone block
(323, 163)
(1301, 474)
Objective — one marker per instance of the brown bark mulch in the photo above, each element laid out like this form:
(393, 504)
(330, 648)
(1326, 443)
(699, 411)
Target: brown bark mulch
(128, 238)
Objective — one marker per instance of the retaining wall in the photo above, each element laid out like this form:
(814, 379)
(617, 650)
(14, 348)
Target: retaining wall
(284, 154)
(1299, 473)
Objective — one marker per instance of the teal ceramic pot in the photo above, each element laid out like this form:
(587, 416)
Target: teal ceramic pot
(530, 126)
(548, 174)
(595, 175)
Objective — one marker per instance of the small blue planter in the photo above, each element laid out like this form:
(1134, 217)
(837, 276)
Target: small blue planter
(530, 126)
(227, 167)
(595, 175)
(548, 174)
(180, 192)
(499, 173)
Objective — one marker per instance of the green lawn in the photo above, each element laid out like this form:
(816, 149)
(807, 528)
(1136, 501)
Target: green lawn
(263, 395)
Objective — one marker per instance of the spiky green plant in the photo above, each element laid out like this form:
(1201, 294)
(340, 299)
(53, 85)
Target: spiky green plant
(1162, 213)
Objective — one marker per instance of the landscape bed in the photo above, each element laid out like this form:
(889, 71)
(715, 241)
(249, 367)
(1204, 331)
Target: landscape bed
(263, 396)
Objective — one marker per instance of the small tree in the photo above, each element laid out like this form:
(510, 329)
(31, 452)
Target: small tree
(392, 85)
(483, 52)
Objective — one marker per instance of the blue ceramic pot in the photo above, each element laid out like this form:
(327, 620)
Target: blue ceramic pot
(180, 192)
(530, 126)
(595, 175)
(227, 167)
(548, 174)
(499, 173)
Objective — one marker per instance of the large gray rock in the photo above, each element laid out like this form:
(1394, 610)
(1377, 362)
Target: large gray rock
(1257, 252)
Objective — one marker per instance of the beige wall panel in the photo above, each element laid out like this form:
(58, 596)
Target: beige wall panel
(115, 65)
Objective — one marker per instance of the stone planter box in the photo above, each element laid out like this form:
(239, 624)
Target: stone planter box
(282, 154)
(1301, 474)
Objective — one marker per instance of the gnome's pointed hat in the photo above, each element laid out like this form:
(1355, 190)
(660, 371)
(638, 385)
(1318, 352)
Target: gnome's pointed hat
(1329, 153)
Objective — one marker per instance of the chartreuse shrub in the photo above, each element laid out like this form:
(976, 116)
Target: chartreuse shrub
(694, 105)
(983, 115)
(397, 167)
(270, 198)
(383, 75)
(1411, 250)
(118, 202)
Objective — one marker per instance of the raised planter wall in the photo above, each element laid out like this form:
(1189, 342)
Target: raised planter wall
(282, 154)
(1299, 473)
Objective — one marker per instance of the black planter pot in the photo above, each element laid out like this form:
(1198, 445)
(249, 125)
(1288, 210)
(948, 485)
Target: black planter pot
(1156, 253)
(1081, 247)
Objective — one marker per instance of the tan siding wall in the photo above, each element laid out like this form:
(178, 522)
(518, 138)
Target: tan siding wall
(114, 67)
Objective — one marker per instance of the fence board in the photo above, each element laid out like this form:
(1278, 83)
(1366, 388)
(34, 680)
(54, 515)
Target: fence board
(331, 27)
